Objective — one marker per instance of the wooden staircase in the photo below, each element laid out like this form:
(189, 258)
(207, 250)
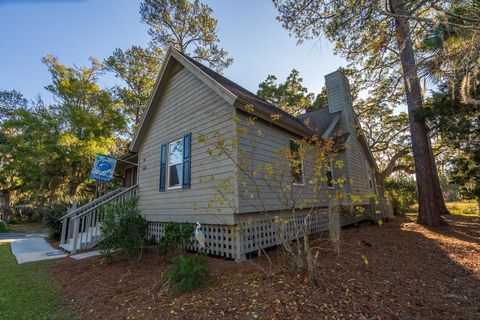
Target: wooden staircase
(81, 227)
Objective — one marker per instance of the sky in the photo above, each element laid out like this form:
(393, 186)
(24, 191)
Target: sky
(74, 30)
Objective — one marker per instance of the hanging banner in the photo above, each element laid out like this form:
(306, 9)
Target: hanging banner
(103, 168)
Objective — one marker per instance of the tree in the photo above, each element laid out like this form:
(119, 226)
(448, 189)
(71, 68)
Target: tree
(89, 118)
(379, 37)
(10, 102)
(188, 27)
(387, 136)
(138, 69)
(457, 122)
(466, 173)
(321, 101)
(290, 96)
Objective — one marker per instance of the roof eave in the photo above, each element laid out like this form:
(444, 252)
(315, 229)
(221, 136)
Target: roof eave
(267, 116)
(173, 54)
(134, 145)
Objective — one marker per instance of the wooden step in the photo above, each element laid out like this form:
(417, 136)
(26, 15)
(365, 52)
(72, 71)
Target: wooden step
(85, 240)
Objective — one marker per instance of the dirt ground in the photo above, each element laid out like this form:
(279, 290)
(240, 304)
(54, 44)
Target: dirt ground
(395, 271)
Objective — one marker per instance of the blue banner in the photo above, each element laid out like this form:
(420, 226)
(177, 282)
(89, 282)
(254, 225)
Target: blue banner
(103, 168)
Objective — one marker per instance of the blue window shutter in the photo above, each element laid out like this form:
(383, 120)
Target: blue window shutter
(187, 147)
(163, 166)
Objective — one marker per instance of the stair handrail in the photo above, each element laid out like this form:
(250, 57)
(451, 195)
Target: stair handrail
(78, 216)
(92, 203)
(71, 223)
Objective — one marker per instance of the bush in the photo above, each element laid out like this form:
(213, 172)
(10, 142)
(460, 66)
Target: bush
(51, 219)
(403, 193)
(123, 229)
(177, 238)
(187, 272)
(3, 227)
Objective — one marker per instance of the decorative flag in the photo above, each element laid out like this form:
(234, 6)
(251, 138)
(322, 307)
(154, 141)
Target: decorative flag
(103, 168)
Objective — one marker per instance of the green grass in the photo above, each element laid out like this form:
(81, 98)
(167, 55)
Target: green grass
(463, 208)
(32, 227)
(27, 291)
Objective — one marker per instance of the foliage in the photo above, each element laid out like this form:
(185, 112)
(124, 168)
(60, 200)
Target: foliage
(290, 96)
(176, 238)
(386, 41)
(123, 229)
(458, 125)
(186, 26)
(3, 227)
(187, 272)
(402, 192)
(28, 291)
(386, 132)
(464, 208)
(47, 150)
(52, 220)
(137, 68)
(466, 173)
(10, 101)
(295, 176)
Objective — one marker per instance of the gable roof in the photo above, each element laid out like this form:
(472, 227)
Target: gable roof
(245, 95)
(233, 93)
(321, 120)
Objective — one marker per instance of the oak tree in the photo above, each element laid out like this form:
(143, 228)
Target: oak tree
(383, 38)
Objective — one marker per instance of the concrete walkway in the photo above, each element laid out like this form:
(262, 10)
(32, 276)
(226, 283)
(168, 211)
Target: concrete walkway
(30, 247)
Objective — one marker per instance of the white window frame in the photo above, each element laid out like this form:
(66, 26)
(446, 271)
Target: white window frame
(301, 184)
(170, 164)
(331, 170)
(370, 183)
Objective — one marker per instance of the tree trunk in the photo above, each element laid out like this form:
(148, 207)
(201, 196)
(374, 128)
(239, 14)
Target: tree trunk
(5, 206)
(430, 199)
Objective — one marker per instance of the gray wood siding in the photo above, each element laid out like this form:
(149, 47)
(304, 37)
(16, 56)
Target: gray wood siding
(339, 99)
(357, 169)
(186, 105)
(266, 152)
(356, 157)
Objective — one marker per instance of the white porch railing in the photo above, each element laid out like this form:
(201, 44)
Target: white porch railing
(81, 227)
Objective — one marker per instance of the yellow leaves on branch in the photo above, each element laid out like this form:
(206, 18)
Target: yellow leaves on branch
(249, 108)
(201, 138)
(275, 117)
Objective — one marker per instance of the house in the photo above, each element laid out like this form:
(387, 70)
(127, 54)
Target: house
(168, 164)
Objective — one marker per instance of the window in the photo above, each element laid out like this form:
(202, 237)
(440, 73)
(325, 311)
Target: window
(297, 163)
(175, 164)
(369, 174)
(329, 173)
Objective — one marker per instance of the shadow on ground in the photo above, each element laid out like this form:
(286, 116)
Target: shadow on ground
(412, 273)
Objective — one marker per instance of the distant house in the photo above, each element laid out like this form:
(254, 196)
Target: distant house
(168, 162)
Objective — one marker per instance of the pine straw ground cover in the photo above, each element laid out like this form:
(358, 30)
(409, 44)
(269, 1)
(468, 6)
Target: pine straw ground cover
(395, 271)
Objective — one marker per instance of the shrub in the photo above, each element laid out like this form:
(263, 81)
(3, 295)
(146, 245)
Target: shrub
(3, 227)
(176, 238)
(187, 272)
(403, 193)
(51, 219)
(123, 229)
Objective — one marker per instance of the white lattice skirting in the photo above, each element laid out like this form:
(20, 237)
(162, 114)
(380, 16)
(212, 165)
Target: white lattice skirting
(252, 232)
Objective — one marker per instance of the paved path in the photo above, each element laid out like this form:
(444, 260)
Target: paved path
(30, 247)
(4, 237)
